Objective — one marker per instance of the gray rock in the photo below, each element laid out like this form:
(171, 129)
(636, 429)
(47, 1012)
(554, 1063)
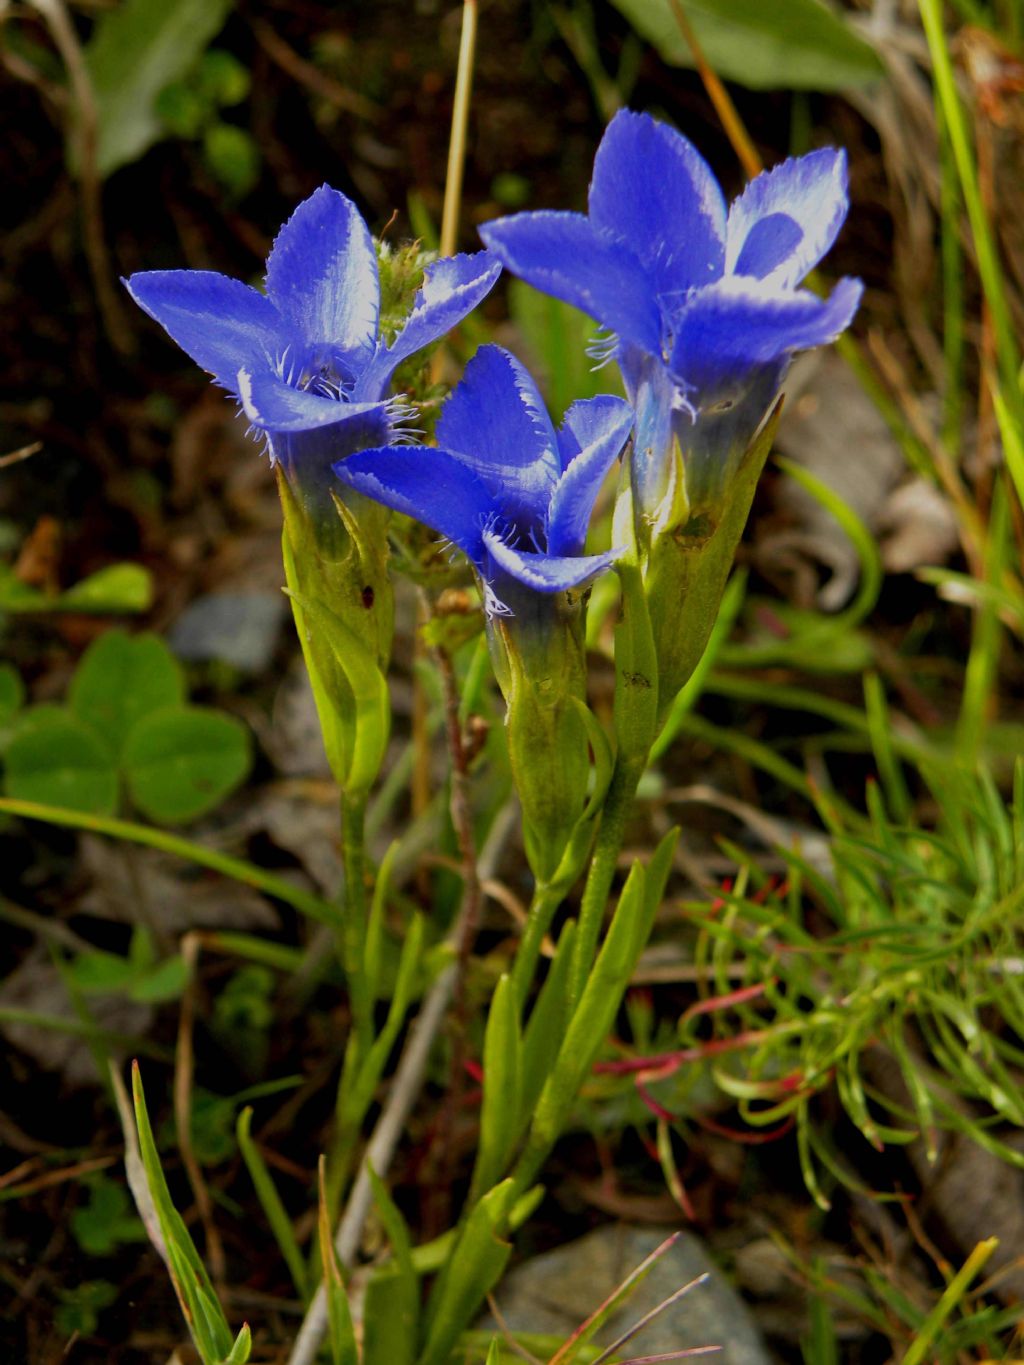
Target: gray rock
(238, 628)
(553, 1293)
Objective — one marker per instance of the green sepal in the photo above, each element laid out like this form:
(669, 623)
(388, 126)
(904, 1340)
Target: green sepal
(356, 740)
(577, 849)
(540, 668)
(638, 681)
(336, 561)
(687, 568)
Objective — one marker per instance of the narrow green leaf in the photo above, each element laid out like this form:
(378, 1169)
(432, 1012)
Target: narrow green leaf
(543, 1036)
(354, 1101)
(344, 1350)
(389, 1321)
(800, 45)
(240, 1352)
(880, 730)
(236, 868)
(872, 574)
(589, 1025)
(688, 694)
(472, 1270)
(121, 679)
(136, 50)
(182, 761)
(202, 1312)
(503, 1061)
(270, 1200)
(950, 1300)
(391, 1312)
(604, 758)
(375, 922)
(57, 759)
(656, 877)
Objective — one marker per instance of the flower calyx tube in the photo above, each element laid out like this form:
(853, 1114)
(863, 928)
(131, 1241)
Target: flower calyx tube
(311, 371)
(516, 497)
(703, 312)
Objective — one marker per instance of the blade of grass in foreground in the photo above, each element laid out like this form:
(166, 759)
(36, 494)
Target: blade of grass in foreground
(236, 868)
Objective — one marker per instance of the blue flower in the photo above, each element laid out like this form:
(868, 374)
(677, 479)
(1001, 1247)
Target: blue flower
(307, 356)
(701, 299)
(512, 493)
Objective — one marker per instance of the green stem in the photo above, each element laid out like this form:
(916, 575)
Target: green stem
(546, 900)
(356, 915)
(601, 875)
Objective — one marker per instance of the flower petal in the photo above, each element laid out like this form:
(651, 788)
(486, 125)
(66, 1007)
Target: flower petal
(653, 190)
(272, 405)
(434, 486)
(451, 288)
(596, 429)
(786, 219)
(727, 331)
(589, 420)
(563, 254)
(497, 421)
(322, 274)
(221, 323)
(545, 573)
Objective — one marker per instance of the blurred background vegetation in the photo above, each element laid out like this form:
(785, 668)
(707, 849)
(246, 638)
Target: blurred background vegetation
(819, 1068)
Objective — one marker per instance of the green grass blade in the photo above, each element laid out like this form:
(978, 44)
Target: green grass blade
(270, 1201)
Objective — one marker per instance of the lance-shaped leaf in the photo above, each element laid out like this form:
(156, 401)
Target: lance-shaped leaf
(341, 1333)
(503, 1065)
(472, 1270)
(270, 1201)
(199, 1304)
(546, 1026)
(391, 1308)
(593, 1017)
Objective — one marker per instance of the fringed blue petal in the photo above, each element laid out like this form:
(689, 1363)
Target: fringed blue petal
(434, 486)
(654, 191)
(565, 255)
(545, 573)
(787, 218)
(221, 323)
(497, 421)
(592, 438)
(322, 275)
